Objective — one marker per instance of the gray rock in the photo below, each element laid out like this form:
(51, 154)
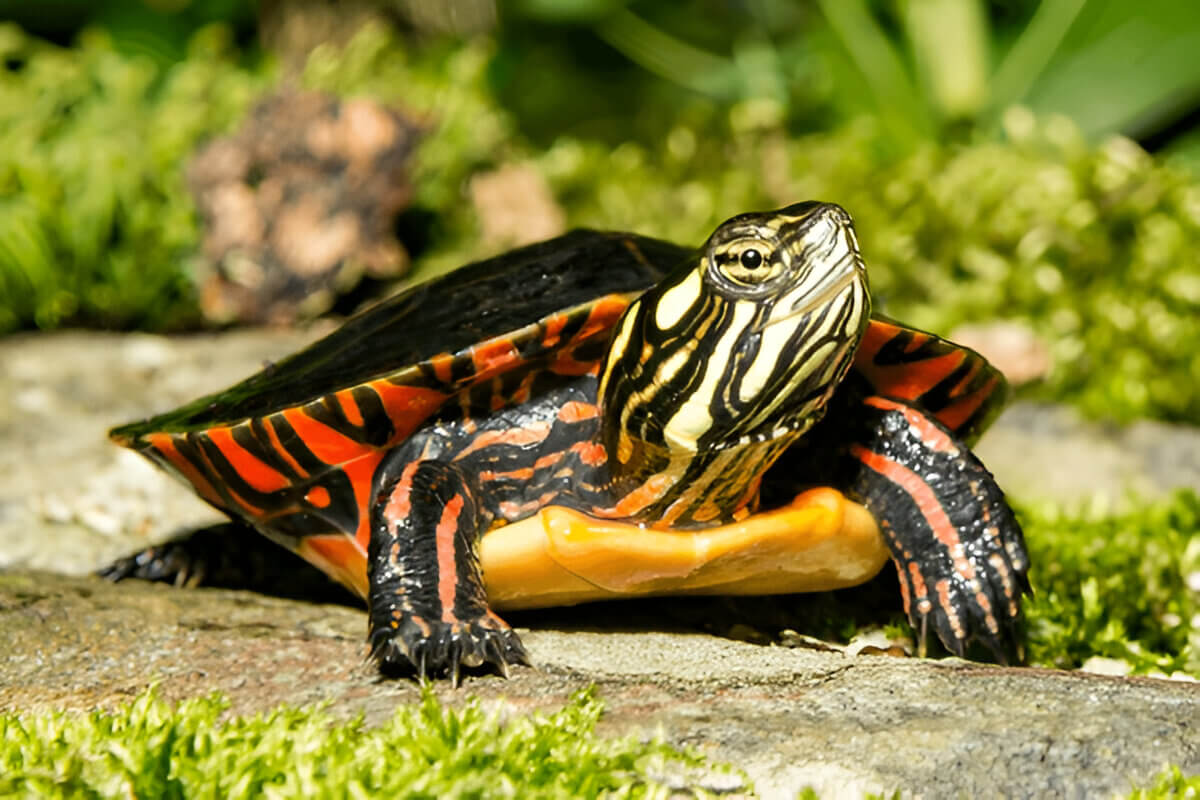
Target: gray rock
(789, 717)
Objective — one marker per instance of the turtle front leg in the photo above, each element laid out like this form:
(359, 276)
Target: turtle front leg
(958, 548)
(428, 609)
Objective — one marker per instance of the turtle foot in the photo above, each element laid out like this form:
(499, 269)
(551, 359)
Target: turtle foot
(414, 645)
(958, 548)
(229, 556)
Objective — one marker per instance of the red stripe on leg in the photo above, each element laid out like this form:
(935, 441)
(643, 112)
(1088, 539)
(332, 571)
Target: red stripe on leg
(926, 501)
(447, 571)
(929, 433)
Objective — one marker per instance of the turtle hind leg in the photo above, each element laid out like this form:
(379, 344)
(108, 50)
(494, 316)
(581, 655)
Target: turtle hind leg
(958, 549)
(428, 609)
(229, 556)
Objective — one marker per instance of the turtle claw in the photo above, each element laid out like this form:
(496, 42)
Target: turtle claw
(982, 605)
(438, 648)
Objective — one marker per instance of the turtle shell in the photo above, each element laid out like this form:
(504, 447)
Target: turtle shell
(293, 447)
(268, 449)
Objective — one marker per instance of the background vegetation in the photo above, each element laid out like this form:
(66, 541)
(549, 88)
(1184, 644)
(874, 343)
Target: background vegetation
(1019, 160)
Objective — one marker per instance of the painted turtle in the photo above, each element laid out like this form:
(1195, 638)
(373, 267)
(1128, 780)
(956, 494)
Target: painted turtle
(606, 414)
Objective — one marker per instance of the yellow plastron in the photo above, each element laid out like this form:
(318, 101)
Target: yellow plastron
(561, 557)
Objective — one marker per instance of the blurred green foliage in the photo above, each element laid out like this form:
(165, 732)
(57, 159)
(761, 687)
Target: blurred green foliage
(96, 225)
(1094, 245)
(1097, 248)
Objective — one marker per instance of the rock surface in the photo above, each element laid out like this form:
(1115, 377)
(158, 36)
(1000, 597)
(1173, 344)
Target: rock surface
(789, 717)
(70, 502)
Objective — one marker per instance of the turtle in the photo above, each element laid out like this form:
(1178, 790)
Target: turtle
(606, 414)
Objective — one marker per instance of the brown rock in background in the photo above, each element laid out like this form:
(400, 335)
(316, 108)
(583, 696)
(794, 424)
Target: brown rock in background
(515, 207)
(299, 204)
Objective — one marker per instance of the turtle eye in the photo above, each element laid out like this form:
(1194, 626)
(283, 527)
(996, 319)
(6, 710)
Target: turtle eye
(751, 259)
(747, 262)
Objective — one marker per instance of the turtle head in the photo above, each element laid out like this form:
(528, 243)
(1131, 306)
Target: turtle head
(744, 343)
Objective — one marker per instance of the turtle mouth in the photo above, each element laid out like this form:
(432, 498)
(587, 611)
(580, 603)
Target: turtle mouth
(824, 294)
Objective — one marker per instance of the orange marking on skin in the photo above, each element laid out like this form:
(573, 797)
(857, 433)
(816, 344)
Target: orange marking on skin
(510, 509)
(578, 412)
(988, 617)
(919, 588)
(943, 591)
(442, 365)
(522, 474)
(164, 443)
(260, 476)
(489, 358)
(548, 460)
(998, 564)
(643, 496)
(447, 572)
(514, 511)
(399, 503)
(530, 434)
(591, 453)
(554, 327)
(318, 496)
(926, 502)
(350, 407)
(930, 434)
(904, 593)
(273, 435)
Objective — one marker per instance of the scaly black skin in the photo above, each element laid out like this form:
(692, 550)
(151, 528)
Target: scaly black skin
(431, 621)
(862, 449)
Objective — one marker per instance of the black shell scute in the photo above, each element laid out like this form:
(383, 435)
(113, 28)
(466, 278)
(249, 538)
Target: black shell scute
(448, 314)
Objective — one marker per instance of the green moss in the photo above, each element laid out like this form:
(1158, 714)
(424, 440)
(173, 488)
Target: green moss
(1171, 784)
(1124, 586)
(148, 749)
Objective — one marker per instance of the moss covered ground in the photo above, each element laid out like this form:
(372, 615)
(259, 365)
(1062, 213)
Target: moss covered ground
(150, 749)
